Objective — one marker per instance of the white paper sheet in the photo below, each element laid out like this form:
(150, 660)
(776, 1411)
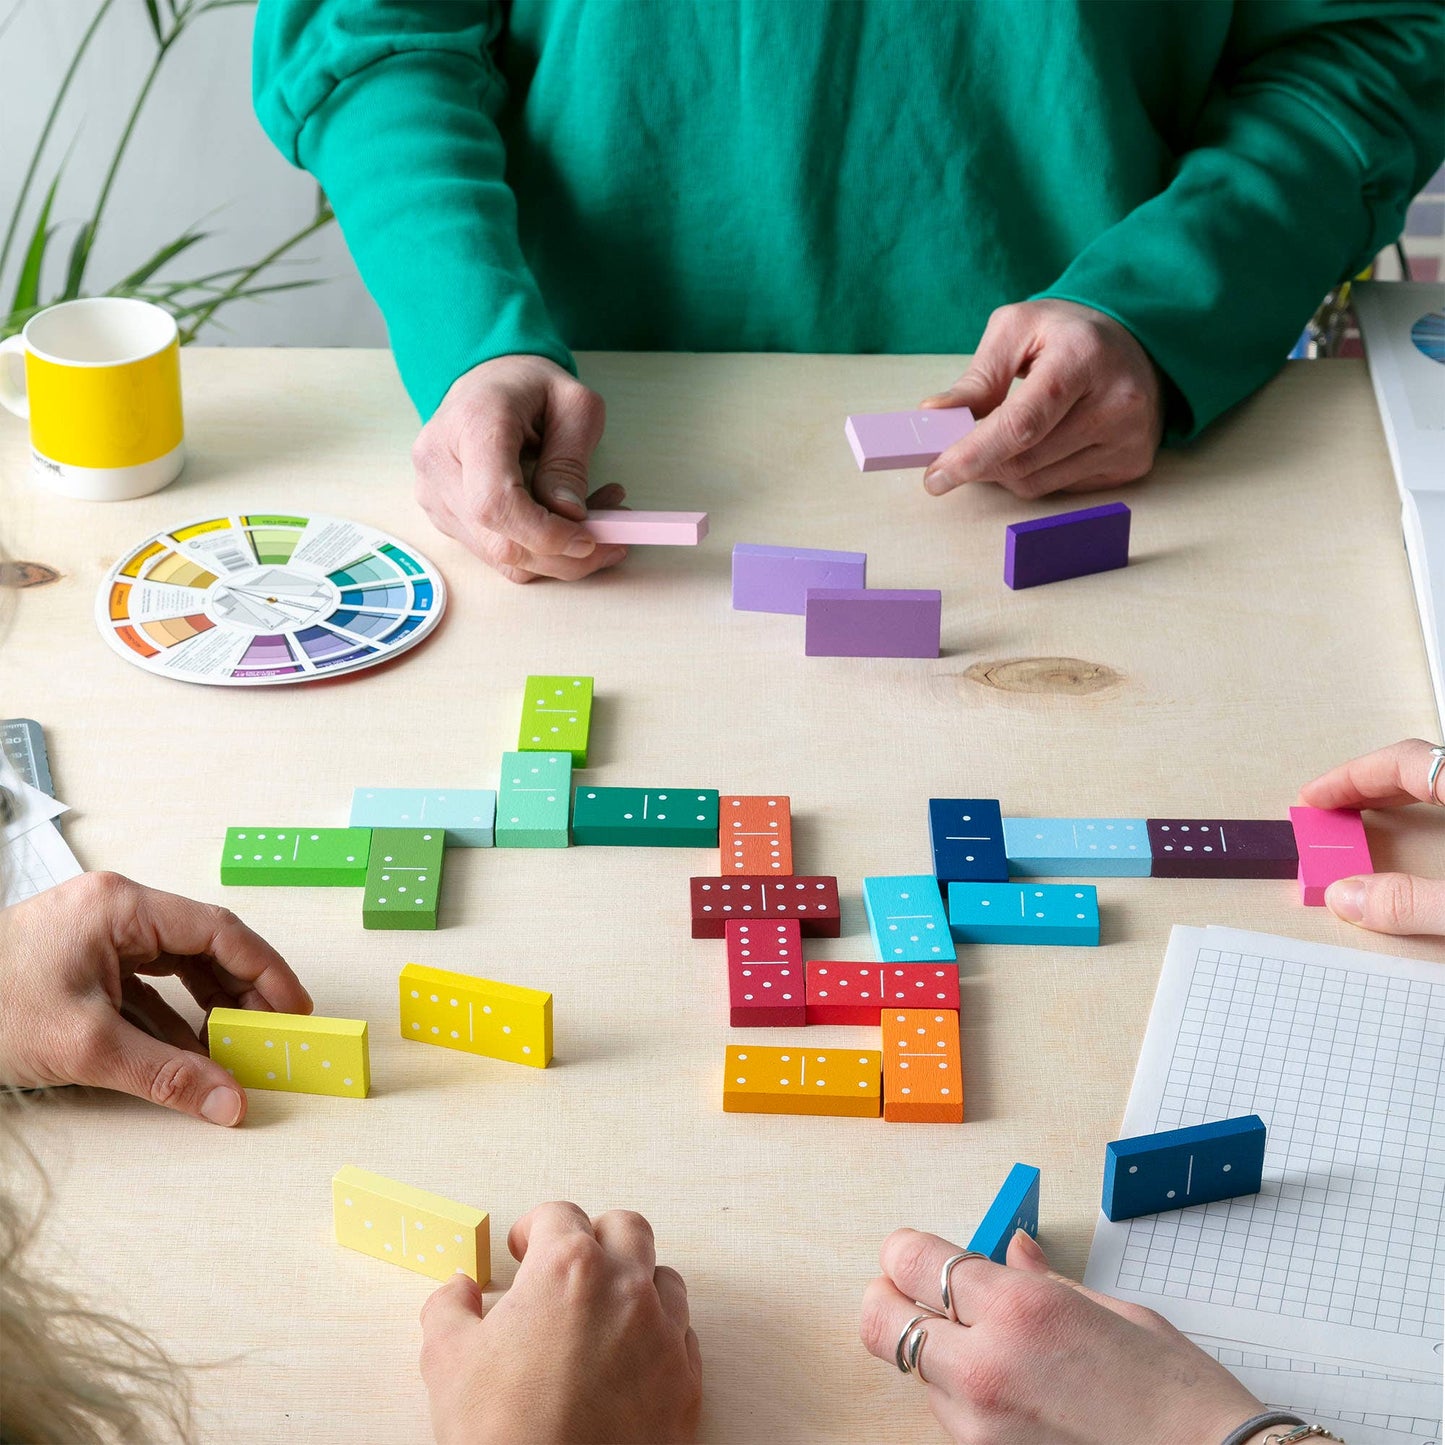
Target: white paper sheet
(33, 862)
(27, 807)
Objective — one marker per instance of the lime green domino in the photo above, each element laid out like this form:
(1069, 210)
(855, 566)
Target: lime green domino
(296, 857)
(404, 878)
(534, 800)
(556, 717)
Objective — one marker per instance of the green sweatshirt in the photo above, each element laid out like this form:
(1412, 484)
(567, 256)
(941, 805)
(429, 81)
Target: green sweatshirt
(854, 175)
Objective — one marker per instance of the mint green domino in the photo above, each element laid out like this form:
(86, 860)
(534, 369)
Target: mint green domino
(295, 857)
(404, 878)
(645, 817)
(534, 800)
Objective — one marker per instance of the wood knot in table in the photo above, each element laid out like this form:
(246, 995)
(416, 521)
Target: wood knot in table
(1068, 675)
(26, 574)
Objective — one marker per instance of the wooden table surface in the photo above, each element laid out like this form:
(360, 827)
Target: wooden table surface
(1264, 630)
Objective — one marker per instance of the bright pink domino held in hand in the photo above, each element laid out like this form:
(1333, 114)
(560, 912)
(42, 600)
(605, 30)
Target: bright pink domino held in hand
(1331, 843)
(647, 529)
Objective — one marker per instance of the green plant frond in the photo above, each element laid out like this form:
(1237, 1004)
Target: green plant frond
(79, 255)
(168, 252)
(153, 11)
(27, 288)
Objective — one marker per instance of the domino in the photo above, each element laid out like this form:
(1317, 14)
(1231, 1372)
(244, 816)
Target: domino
(400, 1225)
(645, 817)
(476, 1015)
(534, 800)
(1232, 848)
(1077, 847)
(906, 919)
(295, 857)
(646, 529)
(1052, 913)
(403, 879)
(848, 622)
(556, 717)
(1070, 544)
(922, 1067)
(966, 835)
(1014, 1207)
(857, 993)
(467, 816)
(839, 1082)
(887, 440)
(765, 974)
(777, 579)
(755, 835)
(1179, 1167)
(1331, 845)
(813, 901)
(292, 1053)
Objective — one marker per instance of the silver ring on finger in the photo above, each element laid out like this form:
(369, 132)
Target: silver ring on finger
(1437, 762)
(950, 1305)
(908, 1355)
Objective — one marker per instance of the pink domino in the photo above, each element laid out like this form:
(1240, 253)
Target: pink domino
(885, 440)
(647, 529)
(766, 984)
(1332, 846)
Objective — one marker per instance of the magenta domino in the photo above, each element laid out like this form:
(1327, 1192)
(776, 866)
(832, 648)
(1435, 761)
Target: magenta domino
(647, 529)
(849, 622)
(886, 440)
(777, 579)
(1332, 845)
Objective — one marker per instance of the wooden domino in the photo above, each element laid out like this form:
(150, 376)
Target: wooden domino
(966, 835)
(534, 800)
(646, 529)
(397, 1224)
(295, 1053)
(556, 717)
(755, 834)
(907, 919)
(1077, 847)
(404, 878)
(813, 901)
(1015, 1207)
(763, 1080)
(466, 815)
(922, 1066)
(1052, 913)
(1331, 846)
(857, 993)
(765, 973)
(887, 440)
(295, 857)
(868, 622)
(1173, 1169)
(1221, 848)
(645, 817)
(1068, 544)
(476, 1015)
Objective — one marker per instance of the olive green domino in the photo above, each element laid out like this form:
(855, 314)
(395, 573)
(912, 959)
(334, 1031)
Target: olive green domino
(645, 817)
(295, 857)
(556, 717)
(404, 878)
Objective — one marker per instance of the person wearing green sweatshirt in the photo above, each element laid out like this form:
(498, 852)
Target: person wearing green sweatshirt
(1134, 207)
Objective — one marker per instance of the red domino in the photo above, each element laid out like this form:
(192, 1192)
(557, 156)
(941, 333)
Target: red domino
(812, 901)
(856, 993)
(765, 973)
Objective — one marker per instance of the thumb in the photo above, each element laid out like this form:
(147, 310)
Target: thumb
(447, 1314)
(571, 430)
(1025, 1253)
(130, 1061)
(1389, 903)
(986, 383)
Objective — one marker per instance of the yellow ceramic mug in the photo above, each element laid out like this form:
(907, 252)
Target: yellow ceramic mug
(103, 395)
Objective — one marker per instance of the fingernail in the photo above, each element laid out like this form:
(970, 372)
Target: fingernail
(222, 1106)
(1345, 898)
(582, 547)
(937, 483)
(1030, 1246)
(568, 497)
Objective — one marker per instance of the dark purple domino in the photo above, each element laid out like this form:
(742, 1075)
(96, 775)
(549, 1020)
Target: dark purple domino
(1211, 848)
(1071, 544)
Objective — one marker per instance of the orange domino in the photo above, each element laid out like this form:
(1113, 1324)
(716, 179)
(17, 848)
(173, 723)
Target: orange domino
(922, 1067)
(755, 835)
(759, 1079)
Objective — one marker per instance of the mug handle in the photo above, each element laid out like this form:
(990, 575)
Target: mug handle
(13, 397)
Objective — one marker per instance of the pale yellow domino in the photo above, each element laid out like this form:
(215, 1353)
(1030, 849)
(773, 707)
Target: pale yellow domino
(296, 1052)
(410, 1227)
(476, 1015)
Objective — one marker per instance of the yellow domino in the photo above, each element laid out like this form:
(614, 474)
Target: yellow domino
(476, 1015)
(409, 1227)
(295, 1052)
(761, 1079)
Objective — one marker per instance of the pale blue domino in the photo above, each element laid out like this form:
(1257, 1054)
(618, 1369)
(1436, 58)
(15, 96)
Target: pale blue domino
(1077, 847)
(1056, 913)
(906, 918)
(1015, 1207)
(467, 816)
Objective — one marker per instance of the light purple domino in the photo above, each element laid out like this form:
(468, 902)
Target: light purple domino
(777, 579)
(850, 622)
(885, 440)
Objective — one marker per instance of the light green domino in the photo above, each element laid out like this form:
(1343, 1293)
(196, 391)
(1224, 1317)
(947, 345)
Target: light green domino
(404, 878)
(534, 799)
(645, 817)
(296, 857)
(556, 717)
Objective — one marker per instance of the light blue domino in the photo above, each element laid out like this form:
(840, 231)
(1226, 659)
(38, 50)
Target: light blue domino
(467, 816)
(1077, 847)
(1056, 913)
(1014, 1207)
(906, 918)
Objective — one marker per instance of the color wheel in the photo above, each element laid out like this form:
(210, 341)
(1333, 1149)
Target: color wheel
(260, 599)
(1428, 334)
